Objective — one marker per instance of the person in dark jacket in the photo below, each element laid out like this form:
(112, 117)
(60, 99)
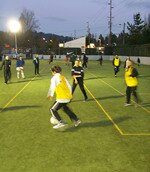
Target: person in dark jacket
(100, 60)
(6, 63)
(78, 77)
(36, 63)
(20, 67)
(51, 57)
(85, 61)
(73, 57)
(138, 61)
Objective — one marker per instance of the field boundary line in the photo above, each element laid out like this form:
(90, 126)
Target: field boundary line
(17, 94)
(124, 134)
(146, 110)
(115, 125)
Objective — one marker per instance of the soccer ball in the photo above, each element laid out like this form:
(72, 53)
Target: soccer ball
(53, 120)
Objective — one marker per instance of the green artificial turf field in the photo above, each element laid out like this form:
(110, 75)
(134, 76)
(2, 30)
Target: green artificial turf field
(111, 137)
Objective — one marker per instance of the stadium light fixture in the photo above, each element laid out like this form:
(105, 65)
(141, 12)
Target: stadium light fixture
(14, 27)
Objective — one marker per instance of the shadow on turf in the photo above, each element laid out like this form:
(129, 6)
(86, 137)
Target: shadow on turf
(17, 108)
(109, 97)
(100, 98)
(94, 78)
(25, 80)
(103, 123)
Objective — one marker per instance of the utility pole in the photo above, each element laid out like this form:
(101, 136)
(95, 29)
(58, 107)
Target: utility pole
(110, 23)
(88, 33)
(74, 34)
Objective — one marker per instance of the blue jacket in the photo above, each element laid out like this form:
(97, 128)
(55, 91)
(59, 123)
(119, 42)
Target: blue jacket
(20, 63)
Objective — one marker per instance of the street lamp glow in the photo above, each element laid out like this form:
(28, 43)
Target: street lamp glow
(14, 26)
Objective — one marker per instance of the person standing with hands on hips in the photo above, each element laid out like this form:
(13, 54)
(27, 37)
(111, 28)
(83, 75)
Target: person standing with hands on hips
(78, 77)
(62, 88)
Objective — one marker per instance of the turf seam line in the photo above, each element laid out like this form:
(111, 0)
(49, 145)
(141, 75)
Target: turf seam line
(115, 125)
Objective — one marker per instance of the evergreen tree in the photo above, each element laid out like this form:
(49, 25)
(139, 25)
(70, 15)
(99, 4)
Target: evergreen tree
(136, 29)
(146, 31)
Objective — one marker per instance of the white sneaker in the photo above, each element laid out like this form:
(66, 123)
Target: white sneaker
(127, 104)
(59, 125)
(77, 123)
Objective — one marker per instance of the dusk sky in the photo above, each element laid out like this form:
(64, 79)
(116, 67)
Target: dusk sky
(70, 17)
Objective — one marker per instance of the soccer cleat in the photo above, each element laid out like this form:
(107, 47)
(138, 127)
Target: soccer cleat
(127, 104)
(77, 123)
(59, 125)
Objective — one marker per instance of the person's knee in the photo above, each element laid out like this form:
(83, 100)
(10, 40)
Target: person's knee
(51, 110)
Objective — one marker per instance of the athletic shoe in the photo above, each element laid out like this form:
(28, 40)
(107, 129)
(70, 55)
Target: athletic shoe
(85, 99)
(77, 123)
(127, 104)
(59, 125)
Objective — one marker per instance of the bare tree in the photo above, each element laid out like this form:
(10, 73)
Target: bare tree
(28, 21)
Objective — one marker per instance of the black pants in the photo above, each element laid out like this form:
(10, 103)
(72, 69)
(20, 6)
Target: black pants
(129, 91)
(7, 75)
(36, 70)
(116, 69)
(84, 65)
(56, 106)
(80, 82)
(101, 62)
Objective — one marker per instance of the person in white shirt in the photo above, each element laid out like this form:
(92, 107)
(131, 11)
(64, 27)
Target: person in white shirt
(62, 88)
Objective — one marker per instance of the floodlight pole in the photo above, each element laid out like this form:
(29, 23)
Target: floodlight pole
(16, 43)
(14, 27)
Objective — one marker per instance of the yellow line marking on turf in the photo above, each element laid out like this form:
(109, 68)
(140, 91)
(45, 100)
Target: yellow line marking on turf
(104, 111)
(129, 134)
(17, 94)
(121, 93)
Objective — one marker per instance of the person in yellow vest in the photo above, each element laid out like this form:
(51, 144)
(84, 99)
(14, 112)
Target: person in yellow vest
(116, 63)
(131, 80)
(61, 87)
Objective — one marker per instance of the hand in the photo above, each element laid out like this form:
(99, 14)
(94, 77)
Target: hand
(75, 81)
(50, 97)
